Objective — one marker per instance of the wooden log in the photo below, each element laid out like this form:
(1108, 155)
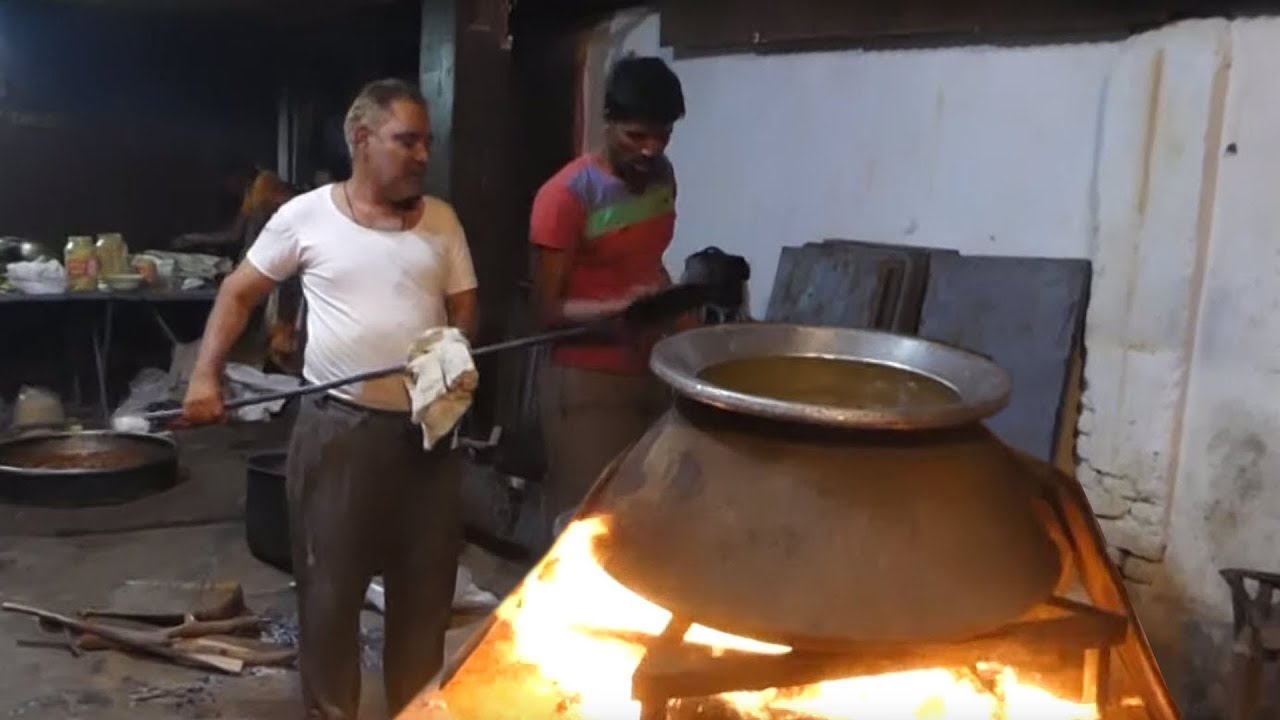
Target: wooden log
(201, 628)
(143, 642)
(272, 656)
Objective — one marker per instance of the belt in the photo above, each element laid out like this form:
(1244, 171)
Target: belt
(352, 405)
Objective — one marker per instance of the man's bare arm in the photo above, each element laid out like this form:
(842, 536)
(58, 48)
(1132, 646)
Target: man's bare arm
(242, 291)
(463, 311)
(550, 275)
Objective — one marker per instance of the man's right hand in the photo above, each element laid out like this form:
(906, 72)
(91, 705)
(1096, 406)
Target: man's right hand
(203, 404)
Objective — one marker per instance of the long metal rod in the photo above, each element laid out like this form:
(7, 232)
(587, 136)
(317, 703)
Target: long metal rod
(546, 337)
(665, 304)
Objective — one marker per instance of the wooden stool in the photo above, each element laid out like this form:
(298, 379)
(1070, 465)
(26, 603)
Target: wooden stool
(1256, 629)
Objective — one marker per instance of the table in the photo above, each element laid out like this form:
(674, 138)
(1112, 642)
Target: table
(100, 329)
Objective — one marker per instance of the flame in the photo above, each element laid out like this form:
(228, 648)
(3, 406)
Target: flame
(584, 632)
(921, 694)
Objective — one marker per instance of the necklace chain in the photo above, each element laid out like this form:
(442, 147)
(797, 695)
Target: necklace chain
(346, 195)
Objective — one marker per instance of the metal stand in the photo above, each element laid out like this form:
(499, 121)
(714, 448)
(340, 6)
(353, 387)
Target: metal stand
(101, 338)
(672, 670)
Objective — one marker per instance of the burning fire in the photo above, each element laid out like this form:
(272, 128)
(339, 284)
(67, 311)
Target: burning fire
(582, 632)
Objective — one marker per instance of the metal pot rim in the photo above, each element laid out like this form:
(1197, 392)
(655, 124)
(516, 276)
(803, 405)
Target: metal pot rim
(164, 443)
(268, 463)
(983, 386)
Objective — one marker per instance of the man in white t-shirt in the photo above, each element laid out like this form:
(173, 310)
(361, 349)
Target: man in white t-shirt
(379, 264)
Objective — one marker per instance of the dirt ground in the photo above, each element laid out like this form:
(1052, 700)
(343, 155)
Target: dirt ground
(74, 559)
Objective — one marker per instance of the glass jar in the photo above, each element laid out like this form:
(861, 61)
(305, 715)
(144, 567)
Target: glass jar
(146, 267)
(81, 262)
(112, 254)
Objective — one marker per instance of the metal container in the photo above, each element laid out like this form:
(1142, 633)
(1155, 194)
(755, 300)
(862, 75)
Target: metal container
(31, 251)
(266, 510)
(153, 467)
(819, 526)
(16, 249)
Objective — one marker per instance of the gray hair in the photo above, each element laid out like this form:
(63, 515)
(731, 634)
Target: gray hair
(372, 103)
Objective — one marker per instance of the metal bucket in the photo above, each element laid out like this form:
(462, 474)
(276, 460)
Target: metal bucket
(266, 510)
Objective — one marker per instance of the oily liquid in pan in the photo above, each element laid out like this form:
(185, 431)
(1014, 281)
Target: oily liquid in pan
(88, 460)
(852, 384)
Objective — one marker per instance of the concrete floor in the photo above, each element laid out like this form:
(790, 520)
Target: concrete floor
(70, 560)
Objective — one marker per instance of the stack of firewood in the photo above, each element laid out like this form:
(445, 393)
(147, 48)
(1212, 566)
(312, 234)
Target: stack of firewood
(206, 627)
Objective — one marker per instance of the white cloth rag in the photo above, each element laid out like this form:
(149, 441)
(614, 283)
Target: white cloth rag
(441, 380)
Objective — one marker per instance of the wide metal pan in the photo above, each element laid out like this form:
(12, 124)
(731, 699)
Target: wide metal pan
(86, 468)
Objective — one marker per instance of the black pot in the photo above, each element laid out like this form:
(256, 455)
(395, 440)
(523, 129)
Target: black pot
(266, 511)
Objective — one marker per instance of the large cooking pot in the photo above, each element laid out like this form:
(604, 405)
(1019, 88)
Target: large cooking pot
(81, 469)
(756, 508)
(266, 510)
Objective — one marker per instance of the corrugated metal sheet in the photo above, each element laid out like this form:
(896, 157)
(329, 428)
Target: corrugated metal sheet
(847, 283)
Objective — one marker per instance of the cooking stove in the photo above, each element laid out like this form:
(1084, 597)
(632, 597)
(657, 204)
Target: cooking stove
(828, 546)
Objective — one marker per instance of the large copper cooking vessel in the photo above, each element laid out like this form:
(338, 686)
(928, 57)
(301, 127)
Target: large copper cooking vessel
(819, 526)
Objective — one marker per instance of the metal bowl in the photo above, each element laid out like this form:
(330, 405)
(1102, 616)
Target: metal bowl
(981, 387)
(152, 468)
(122, 282)
(16, 249)
(31, 250)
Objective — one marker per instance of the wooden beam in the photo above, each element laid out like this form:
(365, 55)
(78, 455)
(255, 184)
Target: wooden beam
(763, 25)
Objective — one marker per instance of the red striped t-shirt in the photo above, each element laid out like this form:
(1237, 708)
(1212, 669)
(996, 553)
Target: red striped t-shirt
(617, 238)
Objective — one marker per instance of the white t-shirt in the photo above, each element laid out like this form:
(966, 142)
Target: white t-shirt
(370, 293)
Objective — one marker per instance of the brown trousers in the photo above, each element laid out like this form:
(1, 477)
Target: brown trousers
(588, 419)
(366, 499)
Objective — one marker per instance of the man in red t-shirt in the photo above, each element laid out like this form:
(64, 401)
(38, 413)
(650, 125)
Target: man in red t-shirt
(599, 229)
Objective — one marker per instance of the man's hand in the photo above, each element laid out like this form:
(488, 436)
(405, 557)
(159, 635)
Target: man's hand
(586, 310)
(639, 291)
(203, 404)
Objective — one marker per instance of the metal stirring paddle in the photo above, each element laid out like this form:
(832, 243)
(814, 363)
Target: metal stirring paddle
(143, 422)
(663, 305)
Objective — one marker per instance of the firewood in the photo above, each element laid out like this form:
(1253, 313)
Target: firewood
(200, 628)
(143, 642)
(272, 656)
(269, 656)
(188, 629)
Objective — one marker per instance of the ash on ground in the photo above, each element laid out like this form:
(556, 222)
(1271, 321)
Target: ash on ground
(282, 629)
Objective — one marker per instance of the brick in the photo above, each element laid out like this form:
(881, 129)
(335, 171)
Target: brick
(1145, 542)
(1088, 420)
(1087, 476)
(1148, 514)
(1144, 572)
(1121, 485)
(1116, 555)
(1106, 504)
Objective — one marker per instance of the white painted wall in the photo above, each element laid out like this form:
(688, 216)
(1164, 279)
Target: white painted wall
(962, 148)
(1116, 152)
(1161, 137)
(1226, 504)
